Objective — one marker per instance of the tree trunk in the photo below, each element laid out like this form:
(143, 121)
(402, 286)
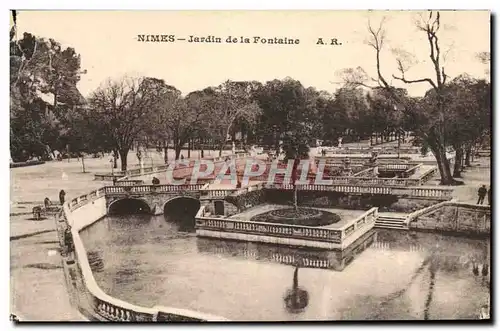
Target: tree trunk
(295, 203)
(123, 158)
(294, 180)
(468, 153)
(178, 148)
(221, 145)
(83, 163)
(457, 167)
(115, 159)
(443, 164)
(165, 153)
(190, 144)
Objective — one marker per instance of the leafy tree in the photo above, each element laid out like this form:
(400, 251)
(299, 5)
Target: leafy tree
(289, 112)
(468, 115)
(40, 68)
(231, 102)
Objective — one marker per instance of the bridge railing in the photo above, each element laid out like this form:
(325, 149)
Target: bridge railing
(422, 192)
(262, 228)
(145, 189)
(452, 203)
(364, 172)
(426, 176)
(411, 170)
(249, 188)
(99, 304)
(129, 182)
(380, 150)
(216, 193)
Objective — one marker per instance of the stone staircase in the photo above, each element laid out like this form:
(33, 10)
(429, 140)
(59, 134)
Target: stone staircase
(392, 221)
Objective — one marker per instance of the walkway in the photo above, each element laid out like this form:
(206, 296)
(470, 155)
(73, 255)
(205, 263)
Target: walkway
(38, 290)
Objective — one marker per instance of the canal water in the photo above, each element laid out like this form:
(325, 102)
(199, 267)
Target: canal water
(148, 261)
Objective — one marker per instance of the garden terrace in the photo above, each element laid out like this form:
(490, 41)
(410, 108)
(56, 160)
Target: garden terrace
(335, 236)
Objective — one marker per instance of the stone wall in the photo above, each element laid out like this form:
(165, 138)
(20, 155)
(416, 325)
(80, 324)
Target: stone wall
(455, 217)
(247, 200)
(88, 213)
(385, 203)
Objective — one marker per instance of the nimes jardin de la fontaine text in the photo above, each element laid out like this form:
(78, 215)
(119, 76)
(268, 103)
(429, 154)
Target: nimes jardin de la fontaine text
(170, 38)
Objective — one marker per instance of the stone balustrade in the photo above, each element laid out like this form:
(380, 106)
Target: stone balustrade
(426, 176)
(416, 192)
(411, 170)
(268, 229)
(98, 304)
(380, 150)
(367, 218)
(249, 188)
(453, 216)
(129, 182)
(147, 189)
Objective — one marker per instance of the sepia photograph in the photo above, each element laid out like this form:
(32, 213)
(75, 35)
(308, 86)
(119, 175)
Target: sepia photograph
(250, 166)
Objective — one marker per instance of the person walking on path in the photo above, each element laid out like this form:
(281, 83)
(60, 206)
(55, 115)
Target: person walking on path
(481, 194)
(489, 196)
(62, 194)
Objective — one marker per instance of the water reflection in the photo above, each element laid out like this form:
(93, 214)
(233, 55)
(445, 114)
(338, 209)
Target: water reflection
(303, 257)
(296, 298)
(393, 275)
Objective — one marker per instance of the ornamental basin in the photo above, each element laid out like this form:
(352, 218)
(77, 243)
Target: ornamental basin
(147, 261)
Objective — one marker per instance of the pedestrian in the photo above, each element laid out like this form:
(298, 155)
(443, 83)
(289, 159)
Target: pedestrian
(489, 196)
(46, 202)
(62, 194)
(68, 240)
(182, 157)
(481, 194)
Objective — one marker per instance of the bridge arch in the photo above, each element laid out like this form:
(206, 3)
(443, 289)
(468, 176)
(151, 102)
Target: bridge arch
(182, 210)
(129, 206)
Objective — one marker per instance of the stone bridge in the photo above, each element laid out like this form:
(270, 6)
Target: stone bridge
(158, 199)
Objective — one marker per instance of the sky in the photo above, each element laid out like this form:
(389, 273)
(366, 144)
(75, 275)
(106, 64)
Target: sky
(108, 44)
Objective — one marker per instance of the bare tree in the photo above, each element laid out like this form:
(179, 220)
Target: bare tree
(122, 108)
(433, 134)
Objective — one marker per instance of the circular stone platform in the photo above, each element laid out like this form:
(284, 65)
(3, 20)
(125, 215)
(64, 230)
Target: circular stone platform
(302, 216)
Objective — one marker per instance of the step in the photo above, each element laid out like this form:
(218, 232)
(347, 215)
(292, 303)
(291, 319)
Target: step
(391, 223)
(392, 218)
(390, 226)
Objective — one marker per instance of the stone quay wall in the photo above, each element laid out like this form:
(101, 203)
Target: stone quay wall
(455, 217)
(92, 302)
